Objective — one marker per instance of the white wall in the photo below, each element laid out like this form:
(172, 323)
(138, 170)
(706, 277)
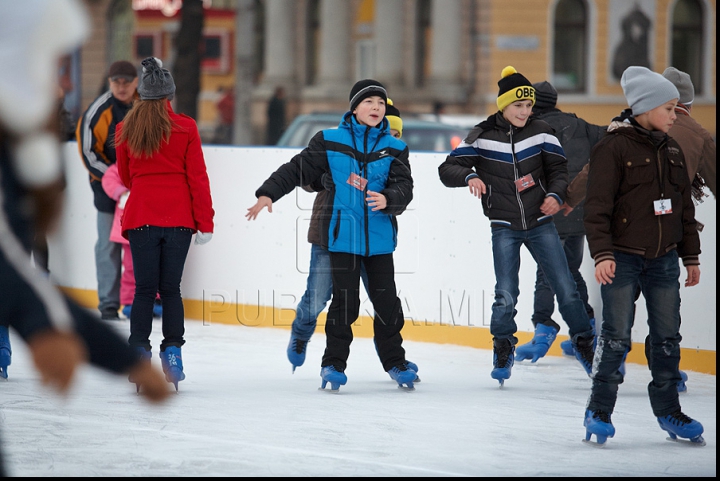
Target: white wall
(443, 261)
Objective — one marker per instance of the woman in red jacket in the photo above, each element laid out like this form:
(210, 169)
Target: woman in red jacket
(160, 159)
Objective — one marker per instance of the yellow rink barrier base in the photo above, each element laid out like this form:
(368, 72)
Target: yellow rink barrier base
(209, 312)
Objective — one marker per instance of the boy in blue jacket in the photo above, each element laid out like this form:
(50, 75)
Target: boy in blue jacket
(369, 182)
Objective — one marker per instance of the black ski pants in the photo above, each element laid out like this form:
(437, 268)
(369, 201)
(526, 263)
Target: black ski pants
(345, 307)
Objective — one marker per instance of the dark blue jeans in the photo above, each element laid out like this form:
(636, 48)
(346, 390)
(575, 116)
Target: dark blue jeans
(159, 255)
(544, 245)
(317, 293)
(658, 280)
(544, 303)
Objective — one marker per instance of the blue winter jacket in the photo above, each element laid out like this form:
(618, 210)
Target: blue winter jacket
(333, 159)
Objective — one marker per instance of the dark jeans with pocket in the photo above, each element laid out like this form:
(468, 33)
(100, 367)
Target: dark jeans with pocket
(159, 255)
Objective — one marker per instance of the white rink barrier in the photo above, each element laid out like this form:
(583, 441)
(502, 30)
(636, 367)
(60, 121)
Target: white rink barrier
(443, 261)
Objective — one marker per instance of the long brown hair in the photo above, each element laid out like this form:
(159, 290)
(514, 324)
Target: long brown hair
(145, 127)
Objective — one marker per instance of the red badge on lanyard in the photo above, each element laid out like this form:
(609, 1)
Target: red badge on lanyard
(524, 182)
(358, 182)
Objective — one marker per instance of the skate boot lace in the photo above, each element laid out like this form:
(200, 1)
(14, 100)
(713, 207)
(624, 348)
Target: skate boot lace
(678, 418)
(503, 351)
(602, 416)
(300, 345)
(584, 345)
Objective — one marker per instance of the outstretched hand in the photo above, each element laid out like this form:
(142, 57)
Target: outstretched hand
(262, 202)
(151, 381)
(57, 356)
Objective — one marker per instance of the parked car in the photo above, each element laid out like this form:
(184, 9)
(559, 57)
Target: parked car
(419, 135)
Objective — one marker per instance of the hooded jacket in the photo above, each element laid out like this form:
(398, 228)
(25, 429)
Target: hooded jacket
(631, 168)
(358, 159)
(500, 154)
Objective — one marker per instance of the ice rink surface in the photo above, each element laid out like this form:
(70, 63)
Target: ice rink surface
(242, 412)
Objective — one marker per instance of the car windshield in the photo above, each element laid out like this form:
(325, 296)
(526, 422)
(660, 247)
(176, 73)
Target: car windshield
(417, 134)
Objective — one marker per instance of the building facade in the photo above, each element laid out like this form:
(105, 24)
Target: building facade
(426, 52)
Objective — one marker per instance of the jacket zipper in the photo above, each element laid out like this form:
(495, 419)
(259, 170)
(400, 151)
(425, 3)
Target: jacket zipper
(515, 170)
(662, 196)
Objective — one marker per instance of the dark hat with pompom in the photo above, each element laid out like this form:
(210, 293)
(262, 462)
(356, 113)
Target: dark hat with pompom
(155, 82)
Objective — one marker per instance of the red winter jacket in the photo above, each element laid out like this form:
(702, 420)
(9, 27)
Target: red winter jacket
(171, 187)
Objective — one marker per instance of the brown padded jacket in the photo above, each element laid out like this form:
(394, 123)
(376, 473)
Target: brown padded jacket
(630, 168)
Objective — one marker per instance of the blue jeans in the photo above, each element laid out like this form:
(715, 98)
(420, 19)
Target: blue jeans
(317, 293)
(544, 303)
(108, 262)
(159, 255)
(658, 279)
(544, 245)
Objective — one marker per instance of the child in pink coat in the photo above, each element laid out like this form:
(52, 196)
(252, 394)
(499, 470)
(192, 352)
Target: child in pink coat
(117, 191)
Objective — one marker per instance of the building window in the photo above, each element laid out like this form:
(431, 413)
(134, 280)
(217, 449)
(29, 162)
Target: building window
(312, 42)
(215, 51)
(570, 46)
(422, 49)
(687, 40)
(365, 67)
(147, 44)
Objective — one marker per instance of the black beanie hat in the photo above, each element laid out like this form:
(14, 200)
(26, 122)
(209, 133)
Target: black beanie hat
(364, 89)
(513, 87)
(545, 95)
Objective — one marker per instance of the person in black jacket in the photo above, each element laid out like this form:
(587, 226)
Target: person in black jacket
(577, 138)
(517, 167)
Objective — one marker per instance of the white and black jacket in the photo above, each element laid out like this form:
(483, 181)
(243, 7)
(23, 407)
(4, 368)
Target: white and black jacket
(500, 154)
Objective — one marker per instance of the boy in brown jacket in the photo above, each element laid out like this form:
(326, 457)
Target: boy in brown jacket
(640, 219)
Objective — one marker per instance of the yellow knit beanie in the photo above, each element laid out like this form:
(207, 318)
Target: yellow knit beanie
(393, 116)
(513, 87)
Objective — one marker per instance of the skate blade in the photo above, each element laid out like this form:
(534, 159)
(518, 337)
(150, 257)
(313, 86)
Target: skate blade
(329, 391)
(406, 388)
(695, 442)
(594, 444)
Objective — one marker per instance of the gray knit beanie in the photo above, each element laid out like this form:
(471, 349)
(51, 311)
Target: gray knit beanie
(155, 82)
(646, 90)
(683, 83)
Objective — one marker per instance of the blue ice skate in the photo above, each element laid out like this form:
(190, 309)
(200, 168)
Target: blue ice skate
(172, 365)
(411, 366)
(127, 310)
(145, 355)
(403, 376)
(599, 424)
(503, 360)
(5, 352)
(682, 387)
(157, 309)
(538, 347)
(585, 352)
(296, 351)
(679, 425)
(331, 375)
(567, 346)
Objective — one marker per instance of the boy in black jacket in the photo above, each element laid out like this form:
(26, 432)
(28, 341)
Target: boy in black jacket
(517, 167)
